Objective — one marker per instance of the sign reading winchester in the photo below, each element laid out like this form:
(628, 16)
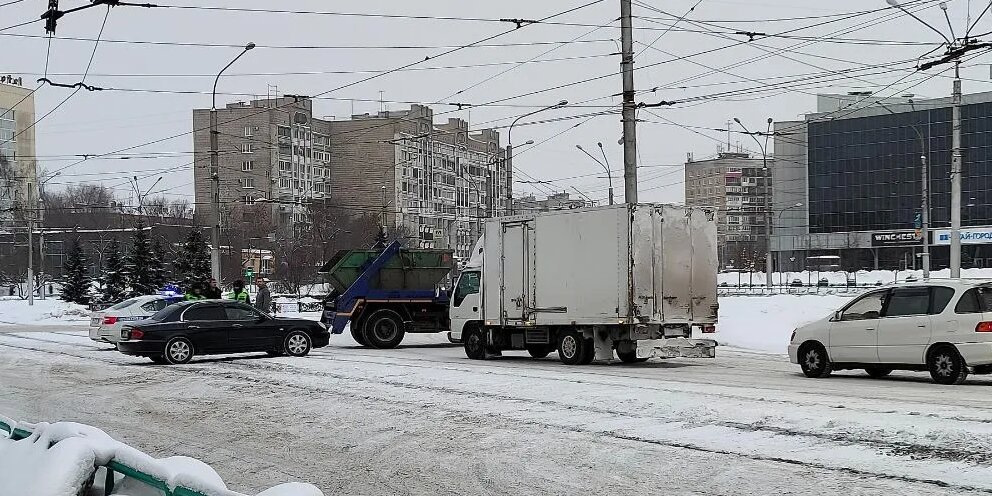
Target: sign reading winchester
(907, 238)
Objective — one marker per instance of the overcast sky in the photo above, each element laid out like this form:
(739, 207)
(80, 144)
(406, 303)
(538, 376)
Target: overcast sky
(731, 80)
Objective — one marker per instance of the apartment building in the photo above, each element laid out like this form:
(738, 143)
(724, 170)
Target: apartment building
(733, 183)
(18, 166)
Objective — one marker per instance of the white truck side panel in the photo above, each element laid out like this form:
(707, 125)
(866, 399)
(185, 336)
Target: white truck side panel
(579, 267)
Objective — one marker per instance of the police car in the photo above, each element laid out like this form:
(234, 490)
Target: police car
(105, 325)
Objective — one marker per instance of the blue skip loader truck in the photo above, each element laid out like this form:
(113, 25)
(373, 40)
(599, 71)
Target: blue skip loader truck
(385, 294)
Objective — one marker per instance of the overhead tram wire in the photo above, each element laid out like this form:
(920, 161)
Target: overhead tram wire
(363, 80)
(89, 64)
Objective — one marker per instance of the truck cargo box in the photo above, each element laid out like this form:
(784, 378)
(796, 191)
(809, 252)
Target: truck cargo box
(626, 264)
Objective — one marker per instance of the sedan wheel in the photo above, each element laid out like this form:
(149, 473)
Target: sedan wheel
(178, 351)
(297, 344)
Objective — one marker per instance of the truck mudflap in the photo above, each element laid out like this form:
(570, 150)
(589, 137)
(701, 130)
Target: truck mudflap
(676, 348)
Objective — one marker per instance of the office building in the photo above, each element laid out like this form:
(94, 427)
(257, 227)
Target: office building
(18, 166)
(733, 183)
(855, 165)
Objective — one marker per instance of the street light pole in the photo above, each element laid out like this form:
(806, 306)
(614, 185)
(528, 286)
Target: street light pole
(215, 173)
(925, 203)
(604, 166)
(956, 174)
(509, 153)
(629, 105)
(767, 195)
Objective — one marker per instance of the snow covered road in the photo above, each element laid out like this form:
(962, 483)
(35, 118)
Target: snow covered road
(423, 419)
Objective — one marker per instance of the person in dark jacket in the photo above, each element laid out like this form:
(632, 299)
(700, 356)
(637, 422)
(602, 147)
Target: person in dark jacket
(214, 292)
(263, 300)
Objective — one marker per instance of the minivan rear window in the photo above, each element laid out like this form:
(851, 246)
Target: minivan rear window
(975, 300)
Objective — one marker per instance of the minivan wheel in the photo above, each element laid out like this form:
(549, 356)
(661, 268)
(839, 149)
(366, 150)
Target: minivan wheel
(946, 366)
(814, 361)
(178, 351)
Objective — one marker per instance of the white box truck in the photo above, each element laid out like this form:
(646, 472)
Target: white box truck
(631, 279)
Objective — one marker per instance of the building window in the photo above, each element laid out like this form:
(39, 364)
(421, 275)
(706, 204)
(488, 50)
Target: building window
(249, 200)
(248, 165)
(247, 148)
(249, 131)
(248, 183)
(285, 166)
(284, 132)
(285, 182)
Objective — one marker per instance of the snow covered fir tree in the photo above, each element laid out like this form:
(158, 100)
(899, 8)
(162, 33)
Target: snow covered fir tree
(114, 275)
(159, 273)
(140, 263)
(193, 263)
(77, 286)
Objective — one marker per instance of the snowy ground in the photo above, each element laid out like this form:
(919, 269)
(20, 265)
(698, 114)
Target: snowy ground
(423, 419)
(47, 312)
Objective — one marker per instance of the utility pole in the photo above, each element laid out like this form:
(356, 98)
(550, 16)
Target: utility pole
(31, 211)
(629, 114)
(956, 174)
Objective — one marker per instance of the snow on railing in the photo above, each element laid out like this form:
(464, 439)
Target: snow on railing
(63, 459)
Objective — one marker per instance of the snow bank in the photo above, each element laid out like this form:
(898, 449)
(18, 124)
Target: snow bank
(765, 323)
(49, 311)
(61, 459)
(840, 278)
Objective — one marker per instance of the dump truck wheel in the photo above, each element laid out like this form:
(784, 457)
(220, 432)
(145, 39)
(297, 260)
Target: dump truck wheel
(384, 329)
(358, 334)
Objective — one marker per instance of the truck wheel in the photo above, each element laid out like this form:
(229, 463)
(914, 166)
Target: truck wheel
(384, 329)
(358, 334)
(540, 350)
(475, 344)
(630, 357)
(573, 349)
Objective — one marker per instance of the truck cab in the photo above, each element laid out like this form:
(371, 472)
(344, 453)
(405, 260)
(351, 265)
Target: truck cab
(466, 303)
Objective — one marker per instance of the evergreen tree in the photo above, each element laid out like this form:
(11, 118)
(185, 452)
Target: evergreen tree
(76, 283)
(193, 263)
(160, 276)
(142, 277)
(114, 276)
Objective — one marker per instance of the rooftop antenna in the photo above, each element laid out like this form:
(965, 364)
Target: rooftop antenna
(382, 105)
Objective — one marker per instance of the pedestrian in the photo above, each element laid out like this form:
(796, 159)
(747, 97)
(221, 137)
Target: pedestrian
(214, 292)
(195, 292)
(263, 300)
(239, 292)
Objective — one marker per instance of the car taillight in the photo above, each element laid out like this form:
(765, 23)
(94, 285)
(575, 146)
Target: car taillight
(709, 328)
(984, 327)
(132, 333)
(108, 320)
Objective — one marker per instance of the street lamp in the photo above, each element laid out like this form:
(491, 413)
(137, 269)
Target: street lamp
(214, 172)
(767, 195)
(509, 152)
(604, 166)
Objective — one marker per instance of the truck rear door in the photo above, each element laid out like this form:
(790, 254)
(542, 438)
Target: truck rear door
(675, 276)
(515, 272)
(702, 229)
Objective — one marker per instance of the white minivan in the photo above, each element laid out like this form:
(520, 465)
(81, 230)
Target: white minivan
(940, 326)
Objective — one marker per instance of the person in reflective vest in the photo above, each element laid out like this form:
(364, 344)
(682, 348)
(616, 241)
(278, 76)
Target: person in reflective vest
(239, 293)
(194, 293)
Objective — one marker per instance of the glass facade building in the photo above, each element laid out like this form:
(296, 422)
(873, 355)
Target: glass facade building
(865, 172)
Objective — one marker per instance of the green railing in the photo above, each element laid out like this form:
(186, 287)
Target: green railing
(112, 467)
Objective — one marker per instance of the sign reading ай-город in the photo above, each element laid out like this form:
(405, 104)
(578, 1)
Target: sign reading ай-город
(969, 236)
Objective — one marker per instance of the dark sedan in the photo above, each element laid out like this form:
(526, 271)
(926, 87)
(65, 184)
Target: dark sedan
(209, 327)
